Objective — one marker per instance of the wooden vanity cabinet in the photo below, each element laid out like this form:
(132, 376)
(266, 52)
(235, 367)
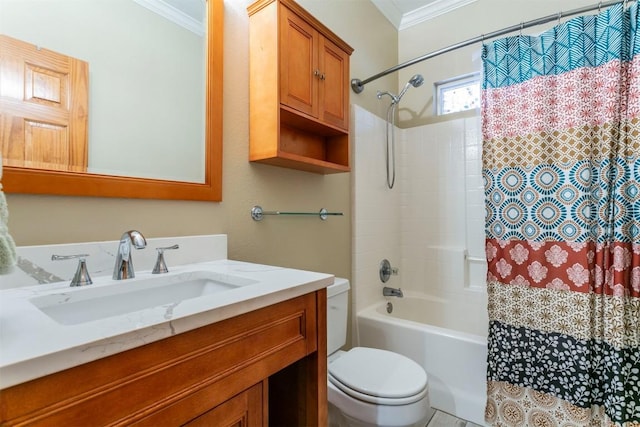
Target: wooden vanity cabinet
(230, 373)
(299, 90)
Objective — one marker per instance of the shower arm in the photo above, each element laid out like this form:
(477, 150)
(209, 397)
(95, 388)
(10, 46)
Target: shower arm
(357, 85)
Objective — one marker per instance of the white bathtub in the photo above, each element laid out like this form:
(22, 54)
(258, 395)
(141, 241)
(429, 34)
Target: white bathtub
(455, 360)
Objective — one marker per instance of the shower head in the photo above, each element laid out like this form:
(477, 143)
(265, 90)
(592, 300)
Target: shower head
(414, 81)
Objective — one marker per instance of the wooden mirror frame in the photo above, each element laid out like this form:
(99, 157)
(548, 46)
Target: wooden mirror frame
(34, 181)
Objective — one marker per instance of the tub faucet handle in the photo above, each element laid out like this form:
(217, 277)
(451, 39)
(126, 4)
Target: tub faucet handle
(386, 271)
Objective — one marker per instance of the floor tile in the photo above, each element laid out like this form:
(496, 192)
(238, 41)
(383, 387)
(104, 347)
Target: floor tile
(442, 419)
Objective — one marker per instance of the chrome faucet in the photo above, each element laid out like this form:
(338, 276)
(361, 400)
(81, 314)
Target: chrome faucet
(392, 292)
(124, 265)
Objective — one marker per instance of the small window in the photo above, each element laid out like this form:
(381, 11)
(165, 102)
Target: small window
(458, 94)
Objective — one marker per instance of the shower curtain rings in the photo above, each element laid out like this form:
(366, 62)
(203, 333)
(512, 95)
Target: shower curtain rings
(600, 7)
(559, 17)
(521, 27)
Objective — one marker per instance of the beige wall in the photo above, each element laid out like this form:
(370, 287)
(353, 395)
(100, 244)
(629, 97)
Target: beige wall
(468, 22)
(298, 242)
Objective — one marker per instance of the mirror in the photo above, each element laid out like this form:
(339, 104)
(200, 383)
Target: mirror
(104, 181)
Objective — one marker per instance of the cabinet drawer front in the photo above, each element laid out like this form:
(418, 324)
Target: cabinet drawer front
(212, 363)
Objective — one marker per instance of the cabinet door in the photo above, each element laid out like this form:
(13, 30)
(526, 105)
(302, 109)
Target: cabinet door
(243, 410)
(333, 91)
(298, 63)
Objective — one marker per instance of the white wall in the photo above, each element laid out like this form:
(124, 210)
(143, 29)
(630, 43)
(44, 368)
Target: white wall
(443, 216)
(431, 224)
(375, 210)
(442, 205)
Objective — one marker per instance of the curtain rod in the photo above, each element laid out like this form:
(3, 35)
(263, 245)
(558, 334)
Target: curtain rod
(358, 85)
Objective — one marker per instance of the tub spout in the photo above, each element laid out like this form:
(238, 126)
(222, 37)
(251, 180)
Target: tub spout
(392, 292)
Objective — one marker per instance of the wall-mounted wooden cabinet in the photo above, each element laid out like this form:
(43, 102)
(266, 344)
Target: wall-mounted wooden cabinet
(299, 90)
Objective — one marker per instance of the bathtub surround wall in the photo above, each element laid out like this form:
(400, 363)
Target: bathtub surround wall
(431, 225)
(442, 211)
(376, 225)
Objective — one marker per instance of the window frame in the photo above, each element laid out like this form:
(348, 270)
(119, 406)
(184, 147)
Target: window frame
(451, 84)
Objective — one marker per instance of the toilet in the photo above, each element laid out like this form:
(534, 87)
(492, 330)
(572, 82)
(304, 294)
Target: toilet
(368, 386)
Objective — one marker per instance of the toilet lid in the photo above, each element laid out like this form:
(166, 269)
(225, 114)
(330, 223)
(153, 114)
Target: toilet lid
(378, 376)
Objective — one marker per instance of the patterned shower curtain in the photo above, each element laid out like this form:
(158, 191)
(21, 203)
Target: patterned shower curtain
(561, 164)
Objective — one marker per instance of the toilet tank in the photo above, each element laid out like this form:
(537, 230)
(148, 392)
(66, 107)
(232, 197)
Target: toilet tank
(337, 313)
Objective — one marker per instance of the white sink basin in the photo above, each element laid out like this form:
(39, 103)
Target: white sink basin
(86, 304)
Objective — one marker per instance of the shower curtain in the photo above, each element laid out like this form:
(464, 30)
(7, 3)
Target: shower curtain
(561, 166)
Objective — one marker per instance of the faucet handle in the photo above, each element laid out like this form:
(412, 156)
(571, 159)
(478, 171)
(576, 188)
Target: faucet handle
(81, 277)
(386, 271)
(161, 266)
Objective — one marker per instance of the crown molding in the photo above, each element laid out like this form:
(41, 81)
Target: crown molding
(390, 11)
(174, 15)
(430, 10)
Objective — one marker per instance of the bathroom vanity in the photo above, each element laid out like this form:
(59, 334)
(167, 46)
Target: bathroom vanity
(217, 375)
(251, 352)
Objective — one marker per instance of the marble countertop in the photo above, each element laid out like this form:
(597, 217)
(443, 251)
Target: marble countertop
(33, 344)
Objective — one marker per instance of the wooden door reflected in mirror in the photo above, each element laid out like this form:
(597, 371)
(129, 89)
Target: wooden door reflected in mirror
(44, 108)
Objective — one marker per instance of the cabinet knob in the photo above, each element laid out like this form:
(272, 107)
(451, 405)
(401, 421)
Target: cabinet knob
(322, 76)
(316, 73)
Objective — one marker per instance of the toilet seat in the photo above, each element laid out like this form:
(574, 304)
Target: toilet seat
(378, 376)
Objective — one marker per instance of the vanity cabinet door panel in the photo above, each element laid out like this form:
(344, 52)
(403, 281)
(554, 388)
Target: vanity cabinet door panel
(243, 410)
